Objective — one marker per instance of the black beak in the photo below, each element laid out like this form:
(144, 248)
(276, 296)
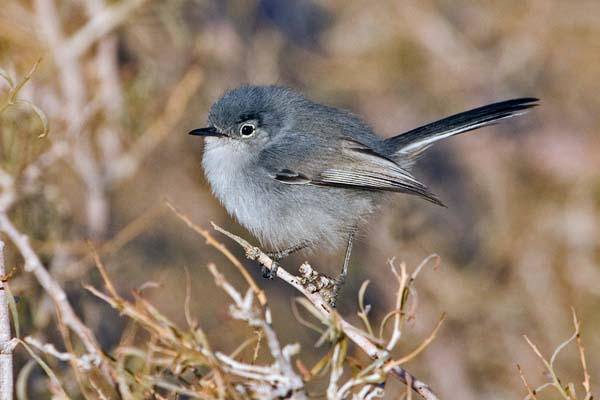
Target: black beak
(211, 131)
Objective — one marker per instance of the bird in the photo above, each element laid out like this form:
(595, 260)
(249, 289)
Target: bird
(299, 174)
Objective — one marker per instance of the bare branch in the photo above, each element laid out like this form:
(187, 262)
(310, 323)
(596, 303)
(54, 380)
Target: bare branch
(221, 247)
(555, 382)
(6, 347)
(282, 374)
(87, 362)
(529, 390)
(321, 303)
(402, 278)
(52, 288)
(586, 376)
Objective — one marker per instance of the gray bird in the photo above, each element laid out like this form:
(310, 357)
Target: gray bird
(300, 174)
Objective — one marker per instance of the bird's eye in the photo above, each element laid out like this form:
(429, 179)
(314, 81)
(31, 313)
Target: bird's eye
(247, 130)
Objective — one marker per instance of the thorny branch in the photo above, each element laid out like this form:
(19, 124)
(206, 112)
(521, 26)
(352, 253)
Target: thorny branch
(316, 289)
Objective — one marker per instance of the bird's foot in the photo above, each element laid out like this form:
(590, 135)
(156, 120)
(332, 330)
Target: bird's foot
(315, 282)
(275, 256)
(269, 273)
(281, 254)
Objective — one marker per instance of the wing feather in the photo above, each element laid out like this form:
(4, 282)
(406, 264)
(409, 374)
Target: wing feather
(360, 167)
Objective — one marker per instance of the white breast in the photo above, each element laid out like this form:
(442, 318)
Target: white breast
(229, 171)
(279, 215)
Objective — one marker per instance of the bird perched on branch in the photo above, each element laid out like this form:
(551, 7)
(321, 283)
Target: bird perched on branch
(300, 174)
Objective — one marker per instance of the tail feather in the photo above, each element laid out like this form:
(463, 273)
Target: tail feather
(415, 141)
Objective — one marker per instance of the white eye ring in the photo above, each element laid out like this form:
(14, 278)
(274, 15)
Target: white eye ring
(247, 130)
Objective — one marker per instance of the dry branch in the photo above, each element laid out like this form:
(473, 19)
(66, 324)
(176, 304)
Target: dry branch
(305, 285)
(6, 345)
(283, 378)
(567, 392)
(51, 287)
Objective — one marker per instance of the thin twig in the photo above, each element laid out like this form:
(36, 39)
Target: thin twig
(210, 240)
(87, 362)
(356, 335)
(364, 309)
(284, 371)
(421, 347)
(129, 232)
(586, 376)
(555, 381)
(529, 390)
(402, 278)
(52, 288)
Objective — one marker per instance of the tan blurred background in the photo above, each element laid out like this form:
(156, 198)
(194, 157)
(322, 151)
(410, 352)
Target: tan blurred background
(519, 240)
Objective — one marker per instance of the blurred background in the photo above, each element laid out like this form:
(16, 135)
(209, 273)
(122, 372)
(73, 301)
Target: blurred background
(519, 241)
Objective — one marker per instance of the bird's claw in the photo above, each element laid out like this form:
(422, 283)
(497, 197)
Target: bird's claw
(269, 273)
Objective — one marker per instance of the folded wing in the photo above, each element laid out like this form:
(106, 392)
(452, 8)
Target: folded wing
(357, 166)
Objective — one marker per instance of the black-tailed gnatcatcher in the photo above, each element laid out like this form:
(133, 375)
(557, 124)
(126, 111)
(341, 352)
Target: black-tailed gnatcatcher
(300, 174)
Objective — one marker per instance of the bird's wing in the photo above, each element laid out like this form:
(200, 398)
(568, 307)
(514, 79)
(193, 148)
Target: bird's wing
(356, 166)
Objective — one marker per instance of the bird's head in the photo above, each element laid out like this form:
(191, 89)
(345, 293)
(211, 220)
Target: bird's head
(249, 116)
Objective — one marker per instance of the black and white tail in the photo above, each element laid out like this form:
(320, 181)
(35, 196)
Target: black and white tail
(410, 144)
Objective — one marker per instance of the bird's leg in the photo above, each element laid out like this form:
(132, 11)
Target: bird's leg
(269, 273)
(339, 281)
(278, 255)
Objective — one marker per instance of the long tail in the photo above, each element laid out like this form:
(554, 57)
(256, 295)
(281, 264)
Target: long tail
(413, 142)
